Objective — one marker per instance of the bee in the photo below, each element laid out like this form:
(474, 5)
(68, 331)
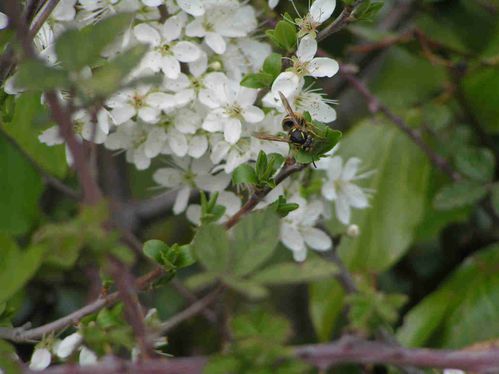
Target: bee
(295, 125)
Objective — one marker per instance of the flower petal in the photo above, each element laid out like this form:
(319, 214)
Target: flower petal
(355, 196)
(216, 42)
(321, 10)
(147, 34)
(323, 67)
(181, 200)
(232, 130)
(253, 114)
(291, 237)
(170, 66)
(40, 359)
(316, 239)
(342, 210)
(350, 168)
(168, 177)
(193, 7)
(307, 48)
(186, 51)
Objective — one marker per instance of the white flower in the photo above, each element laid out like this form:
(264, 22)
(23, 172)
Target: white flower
(339, 186)
(40, 359)
(167, 52)
(4, 21)
(153, 3)
(233, 154)
(353, 231)
(301, 99)
(222, 21)
(306, 64)
(87, 357)
(94, 11)
(68, 345)
(227, 199)
(298, 231)
(64, 11)
(319, 12)
(147, 105)
(273, 3)
(133, 137)
(187, 175)
(453, 371)
(193, 7)
(230, 103)
(244, 55)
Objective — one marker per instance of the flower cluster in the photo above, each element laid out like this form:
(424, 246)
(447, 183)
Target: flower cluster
(200, 121)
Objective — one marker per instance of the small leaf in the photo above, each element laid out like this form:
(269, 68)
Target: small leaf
(244, 174)
(16, 266)
(199, 281)
(325, 304)
(79, 48)
(285, 35)
(459, 195)
(261, 165)
(185, 257)
(109, 77)
(250, 289)
(211, 248)
(273, 65)
(35, 75)
(261, 324)
(257, 80)
(290, 273)
(476, 163)
(495, 198)
(254, 241)
(155, 249)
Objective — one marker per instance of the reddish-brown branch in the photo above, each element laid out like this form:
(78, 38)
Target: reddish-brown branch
(21, 334)
(133, 310)
(348, 349)
(289, 168)
(345, 17)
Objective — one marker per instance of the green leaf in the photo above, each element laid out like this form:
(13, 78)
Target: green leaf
(248, 288)
(211, 247)
(261, 165)
(462, 311)
(480, 88)
(185, 256)
(325, 140)
(367, 11)
(20, 189)
(63, 243)
(285, 35)
(459, 194)
(273, 65)
(35, 75)
(290, 273)
(109, 77)
(155, 249)
(199, 281)
(25, 127)
(495, 198)
(394, 87)
(476, 163)
(325, 304)
(244, 174)
(257, 80)
(16, 267)
(79, 48)
(254, 241)
(400, 183)
(261, 324)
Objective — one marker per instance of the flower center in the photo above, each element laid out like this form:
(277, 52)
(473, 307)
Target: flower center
(138, 101)
(300, 67)
(234, 111)
(165, 50)
(307, 25)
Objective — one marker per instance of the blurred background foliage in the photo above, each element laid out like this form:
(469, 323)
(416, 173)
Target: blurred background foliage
(433, 63)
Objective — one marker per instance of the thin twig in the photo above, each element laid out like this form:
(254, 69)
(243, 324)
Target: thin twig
(42, 16)
(21, 334)
(289, 168)
(133, 309)
(345, 17)
(190, 311)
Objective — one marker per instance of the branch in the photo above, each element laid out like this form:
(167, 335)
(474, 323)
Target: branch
(289, 168)
(20, 334)
(348, 349)
(376, 107)
(42, 16)
(192, 310)
(343, 20)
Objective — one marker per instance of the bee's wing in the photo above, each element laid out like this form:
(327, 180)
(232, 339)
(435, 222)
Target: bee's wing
(273, 138)
(291, 114)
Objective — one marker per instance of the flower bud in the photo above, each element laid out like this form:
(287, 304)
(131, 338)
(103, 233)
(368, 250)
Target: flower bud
(40, 359)
(353, 231)
(68, 345)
